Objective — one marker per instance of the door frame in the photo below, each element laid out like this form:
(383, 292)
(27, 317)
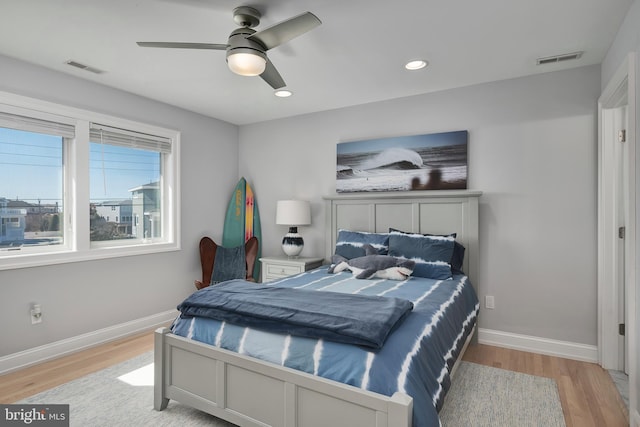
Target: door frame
(620, 90)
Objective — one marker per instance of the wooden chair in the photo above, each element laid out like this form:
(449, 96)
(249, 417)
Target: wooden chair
(208, 250)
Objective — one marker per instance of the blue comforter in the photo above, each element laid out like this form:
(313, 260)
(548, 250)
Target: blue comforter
(416, 358)
(352, 319)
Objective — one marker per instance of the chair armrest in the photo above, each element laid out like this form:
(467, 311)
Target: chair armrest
(199, 285)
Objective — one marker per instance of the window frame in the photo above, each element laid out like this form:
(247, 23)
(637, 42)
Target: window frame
(76, 245)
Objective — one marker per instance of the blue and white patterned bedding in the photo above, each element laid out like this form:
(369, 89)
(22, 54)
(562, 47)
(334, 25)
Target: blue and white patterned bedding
(416, 359)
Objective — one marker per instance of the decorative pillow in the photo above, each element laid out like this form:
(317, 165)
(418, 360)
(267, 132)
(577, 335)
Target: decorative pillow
(351, 244)
(432, 254)
(457, 259)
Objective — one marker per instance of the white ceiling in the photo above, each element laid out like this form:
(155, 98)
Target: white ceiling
(356, 56)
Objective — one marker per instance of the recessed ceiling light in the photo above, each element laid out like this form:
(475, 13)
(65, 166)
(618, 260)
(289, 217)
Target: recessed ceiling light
(283, 93)
(416, 65)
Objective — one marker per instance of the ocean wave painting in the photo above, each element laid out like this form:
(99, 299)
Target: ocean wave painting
(436, 161)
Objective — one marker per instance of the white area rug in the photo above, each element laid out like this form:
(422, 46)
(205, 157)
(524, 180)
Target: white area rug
(122, 395)
(485, 396)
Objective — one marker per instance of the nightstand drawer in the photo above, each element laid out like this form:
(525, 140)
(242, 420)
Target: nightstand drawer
(275, 270)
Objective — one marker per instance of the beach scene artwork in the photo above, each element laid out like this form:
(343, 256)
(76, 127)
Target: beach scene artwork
(436, 161)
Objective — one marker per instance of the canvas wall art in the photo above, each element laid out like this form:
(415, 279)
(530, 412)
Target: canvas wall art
(436, 161)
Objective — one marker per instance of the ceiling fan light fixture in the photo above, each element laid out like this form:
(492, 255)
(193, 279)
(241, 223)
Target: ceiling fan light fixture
(416, 65)
(246, 64)
(246, 48)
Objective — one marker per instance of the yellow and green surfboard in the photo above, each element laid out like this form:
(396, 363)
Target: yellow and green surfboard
(242, 221)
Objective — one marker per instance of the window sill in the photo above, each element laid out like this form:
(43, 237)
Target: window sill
(25, 260)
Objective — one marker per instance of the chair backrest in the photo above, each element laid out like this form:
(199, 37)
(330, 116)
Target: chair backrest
(208, 250)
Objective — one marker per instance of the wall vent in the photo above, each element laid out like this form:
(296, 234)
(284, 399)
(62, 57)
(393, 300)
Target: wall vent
(559, 58)
(84, 67)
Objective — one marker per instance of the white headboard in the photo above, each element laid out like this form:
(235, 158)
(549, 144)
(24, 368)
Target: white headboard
(436, 212)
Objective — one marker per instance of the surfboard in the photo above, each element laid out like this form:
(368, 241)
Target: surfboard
(242, 221)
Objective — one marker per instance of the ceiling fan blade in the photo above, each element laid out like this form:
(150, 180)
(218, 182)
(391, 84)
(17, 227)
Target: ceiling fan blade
(272, 76)
(181, 45)
(286, 30)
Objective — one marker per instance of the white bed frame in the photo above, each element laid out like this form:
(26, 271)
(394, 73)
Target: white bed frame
(251, 392)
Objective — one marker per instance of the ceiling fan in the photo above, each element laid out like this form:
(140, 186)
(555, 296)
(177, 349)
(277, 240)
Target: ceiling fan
(247, 49)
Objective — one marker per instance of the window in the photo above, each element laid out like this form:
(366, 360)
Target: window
(125, 175)
(31, 181)
(66, 174)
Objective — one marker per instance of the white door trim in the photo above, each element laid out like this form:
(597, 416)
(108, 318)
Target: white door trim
(614, 96)
(633, 286)
(620, 90)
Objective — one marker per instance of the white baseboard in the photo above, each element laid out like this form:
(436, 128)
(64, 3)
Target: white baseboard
(566, 349)
(636, 419)
(56, 349)
(46, 352)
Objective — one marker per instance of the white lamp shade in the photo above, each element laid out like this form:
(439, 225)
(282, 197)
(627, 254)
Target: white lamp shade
(246, 64)
(293, 212)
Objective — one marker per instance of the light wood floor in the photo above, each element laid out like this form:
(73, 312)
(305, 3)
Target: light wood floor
(29, 381)
(587, 393)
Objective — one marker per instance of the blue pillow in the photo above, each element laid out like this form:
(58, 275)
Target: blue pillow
(432, 254)
(350, 244)
(457, 259)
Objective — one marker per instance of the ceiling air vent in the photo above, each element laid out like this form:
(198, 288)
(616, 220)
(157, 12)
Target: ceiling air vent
(559, 58)
(84, 67)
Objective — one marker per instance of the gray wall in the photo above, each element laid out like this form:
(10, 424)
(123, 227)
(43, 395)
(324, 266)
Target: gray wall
(82, 297)
(532, 151)
(627, 41)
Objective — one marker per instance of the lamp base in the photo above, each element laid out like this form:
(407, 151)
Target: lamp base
(292, 242)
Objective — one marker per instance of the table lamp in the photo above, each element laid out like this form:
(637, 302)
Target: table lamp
(293, 213)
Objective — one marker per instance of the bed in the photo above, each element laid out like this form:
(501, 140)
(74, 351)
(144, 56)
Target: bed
(241, 377)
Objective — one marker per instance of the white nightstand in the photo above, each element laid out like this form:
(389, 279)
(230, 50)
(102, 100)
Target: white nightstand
(281, 266)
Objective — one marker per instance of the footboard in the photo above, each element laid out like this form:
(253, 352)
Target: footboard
(251, 392)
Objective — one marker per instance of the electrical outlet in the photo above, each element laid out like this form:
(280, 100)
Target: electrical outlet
(489, 302)
(36, 314)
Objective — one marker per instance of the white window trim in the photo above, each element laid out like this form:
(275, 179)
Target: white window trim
(77, 245)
